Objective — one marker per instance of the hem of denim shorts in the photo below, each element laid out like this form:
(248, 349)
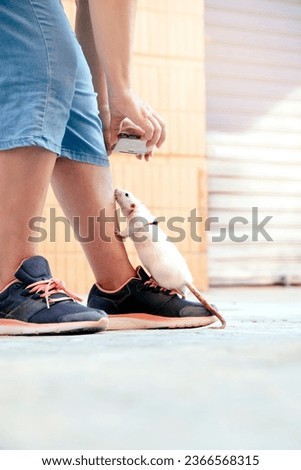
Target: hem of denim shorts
(44, 142)
(98, 160)
(30, 141)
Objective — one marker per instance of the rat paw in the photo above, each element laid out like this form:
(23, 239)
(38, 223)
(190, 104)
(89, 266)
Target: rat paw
(118, 234)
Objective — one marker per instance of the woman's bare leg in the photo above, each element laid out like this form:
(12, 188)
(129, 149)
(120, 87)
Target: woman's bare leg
(83, 190)
(24, 178)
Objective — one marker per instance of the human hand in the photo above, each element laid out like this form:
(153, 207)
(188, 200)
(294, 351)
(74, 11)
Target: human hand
(130, 114)
(128, 127)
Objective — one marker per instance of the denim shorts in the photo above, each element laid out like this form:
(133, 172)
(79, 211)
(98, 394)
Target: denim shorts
(47, 97)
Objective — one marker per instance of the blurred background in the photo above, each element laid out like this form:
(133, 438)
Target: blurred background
(226, 76)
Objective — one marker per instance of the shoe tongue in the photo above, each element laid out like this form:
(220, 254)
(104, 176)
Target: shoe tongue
(33, 269)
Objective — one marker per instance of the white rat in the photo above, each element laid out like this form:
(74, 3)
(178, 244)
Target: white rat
(160, 257)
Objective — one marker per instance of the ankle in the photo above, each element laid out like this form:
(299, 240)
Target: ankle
(115, 283)
(7, 273)
(4, 284)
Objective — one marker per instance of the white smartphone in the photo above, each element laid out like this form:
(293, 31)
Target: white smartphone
(129, 143)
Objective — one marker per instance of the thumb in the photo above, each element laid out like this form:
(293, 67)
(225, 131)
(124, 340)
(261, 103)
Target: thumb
(107, 139)
(130, 128)
(115, 129)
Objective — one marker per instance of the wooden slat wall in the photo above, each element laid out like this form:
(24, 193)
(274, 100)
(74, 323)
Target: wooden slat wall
(253, 94)
(169, 74)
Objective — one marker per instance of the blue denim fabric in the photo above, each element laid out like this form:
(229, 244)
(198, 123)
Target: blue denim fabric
(46, 92)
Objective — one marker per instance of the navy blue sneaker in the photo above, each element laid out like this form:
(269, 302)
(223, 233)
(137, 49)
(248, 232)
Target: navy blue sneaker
(140, 305)
(37, 304)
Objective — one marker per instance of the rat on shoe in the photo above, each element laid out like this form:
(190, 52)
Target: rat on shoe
(160, 257)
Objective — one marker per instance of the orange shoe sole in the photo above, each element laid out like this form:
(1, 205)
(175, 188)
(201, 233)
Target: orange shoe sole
(144, 321)
(18, 328)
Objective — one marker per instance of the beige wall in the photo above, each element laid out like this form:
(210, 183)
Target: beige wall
(169, 74)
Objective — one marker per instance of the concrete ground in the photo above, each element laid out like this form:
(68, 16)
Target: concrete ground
(238, 388)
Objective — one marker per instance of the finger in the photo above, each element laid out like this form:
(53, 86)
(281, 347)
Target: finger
(129, 127)
(163, 128)
(139, 156)
(157, 131)
(143, 121)
(148, 156)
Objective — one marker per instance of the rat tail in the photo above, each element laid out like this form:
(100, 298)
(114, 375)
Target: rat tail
(207, 305)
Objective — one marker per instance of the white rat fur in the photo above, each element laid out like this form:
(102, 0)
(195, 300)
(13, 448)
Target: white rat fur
(160, 257)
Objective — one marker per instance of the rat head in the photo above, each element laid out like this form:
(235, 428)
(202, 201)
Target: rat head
(126, 200)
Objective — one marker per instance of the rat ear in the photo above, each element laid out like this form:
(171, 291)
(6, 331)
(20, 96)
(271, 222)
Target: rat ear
(133, 206)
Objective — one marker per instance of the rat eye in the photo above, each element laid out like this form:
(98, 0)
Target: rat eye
(126, 194)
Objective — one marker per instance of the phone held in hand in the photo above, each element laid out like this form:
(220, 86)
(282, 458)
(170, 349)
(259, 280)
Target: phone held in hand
(129, 143)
